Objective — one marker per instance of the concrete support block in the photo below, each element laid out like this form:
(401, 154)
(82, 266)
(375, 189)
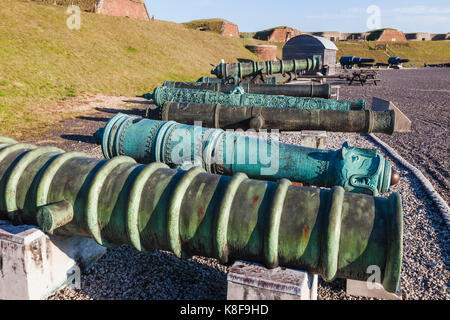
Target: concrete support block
(402, 122)
(335, 92)
(362, 289)
(33, 265)
(250, 281)
(314, 139)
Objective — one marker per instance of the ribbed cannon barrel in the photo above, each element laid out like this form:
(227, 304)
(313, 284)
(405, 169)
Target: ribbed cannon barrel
(242, 70)
(328, 232)
(218, 151)
(6, 141)
(238, 97)
(242, 117)
(312, 91)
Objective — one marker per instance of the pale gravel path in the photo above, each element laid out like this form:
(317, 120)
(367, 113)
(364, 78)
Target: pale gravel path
(423, 95)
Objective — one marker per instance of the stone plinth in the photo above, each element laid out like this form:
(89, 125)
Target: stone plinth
(33, 265)
(250, 281)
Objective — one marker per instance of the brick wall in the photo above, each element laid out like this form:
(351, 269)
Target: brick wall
(135, 9)
(330, 35)
(355, 36)
(283, 34)
(420, 36)
(392, 35)
(230, 29)
(265, 52)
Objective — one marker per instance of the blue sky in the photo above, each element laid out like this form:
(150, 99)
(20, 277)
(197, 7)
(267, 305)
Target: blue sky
(344, 16)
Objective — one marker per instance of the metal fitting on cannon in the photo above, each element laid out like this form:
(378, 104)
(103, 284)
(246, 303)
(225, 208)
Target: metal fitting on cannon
(295, 90)
(238, 97)
(217, 151)
(243, 117)
(328, 232)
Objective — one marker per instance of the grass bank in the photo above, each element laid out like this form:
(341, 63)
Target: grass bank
(43, 62)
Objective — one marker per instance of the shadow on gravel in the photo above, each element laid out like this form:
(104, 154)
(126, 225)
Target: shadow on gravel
(137, 112)
(139, 102)
(97, 119)
(79, 137)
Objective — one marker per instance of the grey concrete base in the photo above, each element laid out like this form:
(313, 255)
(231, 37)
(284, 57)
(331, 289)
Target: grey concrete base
(376, 290)
(335, 92)
(250, 281)
(34, 265)
(314, 139)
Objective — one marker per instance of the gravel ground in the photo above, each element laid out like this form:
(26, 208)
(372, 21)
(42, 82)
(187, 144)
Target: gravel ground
(423, 95)
(124, 273)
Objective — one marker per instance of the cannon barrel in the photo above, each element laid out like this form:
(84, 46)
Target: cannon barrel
(355, 60)
(222, 152)
(440, 65)
(238, 97)
(243, 117)
(209, 80)
(328, 232)
(397, 60)
(312, 91)
(241, 70)
(265, 80)
(350, 61)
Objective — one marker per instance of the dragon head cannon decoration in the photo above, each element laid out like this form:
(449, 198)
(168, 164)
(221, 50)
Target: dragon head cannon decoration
(363, 170)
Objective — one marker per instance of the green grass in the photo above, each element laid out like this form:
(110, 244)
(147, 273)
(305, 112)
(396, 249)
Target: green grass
(214, 25)
(85, 5)
(42, 62)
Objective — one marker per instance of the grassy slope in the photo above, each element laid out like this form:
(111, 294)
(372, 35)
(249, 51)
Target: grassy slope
(43, 62)
(214, 24)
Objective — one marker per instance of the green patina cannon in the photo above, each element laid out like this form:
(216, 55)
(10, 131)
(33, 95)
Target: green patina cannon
(238, 72)
(221, 152)
(312, 91)
(328, 232)
(266, 80)
(238, 97)
(242, 117)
